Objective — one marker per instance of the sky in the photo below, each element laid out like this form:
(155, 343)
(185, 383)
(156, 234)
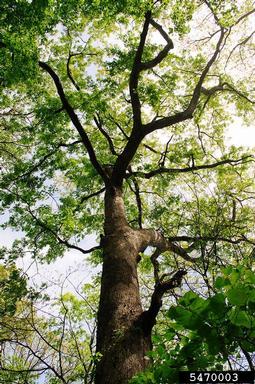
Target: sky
(73, 263)
(239, 134)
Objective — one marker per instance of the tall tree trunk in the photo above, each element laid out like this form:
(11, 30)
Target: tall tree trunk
(121, 340)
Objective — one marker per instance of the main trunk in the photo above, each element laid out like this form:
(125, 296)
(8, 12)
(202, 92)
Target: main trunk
(120, 337)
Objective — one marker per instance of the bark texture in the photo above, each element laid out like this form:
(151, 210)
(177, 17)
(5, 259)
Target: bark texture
(121, 338)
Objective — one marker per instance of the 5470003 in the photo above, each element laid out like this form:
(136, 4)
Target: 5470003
(217, 377)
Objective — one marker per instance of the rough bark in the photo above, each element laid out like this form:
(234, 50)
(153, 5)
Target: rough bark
(120, 339)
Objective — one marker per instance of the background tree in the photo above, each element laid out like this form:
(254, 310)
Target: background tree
(48, 339)
(97, 100)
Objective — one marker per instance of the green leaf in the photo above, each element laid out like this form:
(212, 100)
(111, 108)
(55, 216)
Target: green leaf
(221, 282)
(240, 318)
(238, 295)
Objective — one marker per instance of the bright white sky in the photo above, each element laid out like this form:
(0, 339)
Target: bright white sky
(241, 135)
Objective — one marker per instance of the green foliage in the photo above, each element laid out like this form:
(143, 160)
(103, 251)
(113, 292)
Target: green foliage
(203, 332)
(54, 196)
(181, 14)
(13, 287)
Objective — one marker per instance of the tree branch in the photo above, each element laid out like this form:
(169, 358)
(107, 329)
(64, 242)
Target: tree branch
(153, 238)
(68, 70)
(136, 69)
(119, 126)
(163, 157)
(138, 132)
(162, 54)
(125, 157)
(233, 89)
(75, 120)
(243, 17)
(42, 360)
(87, 197)
(161, 170)
(197, 90)
(155, 263)
(127, 137)
(220, 87)
(59, 239)
(136, 191)
(44, 159)
(248, 358)
(195, 239)
(148, 317)
(99, 125)
(239, 45)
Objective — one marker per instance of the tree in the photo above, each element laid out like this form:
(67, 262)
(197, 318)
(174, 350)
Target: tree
(48, 341)
(96, 100)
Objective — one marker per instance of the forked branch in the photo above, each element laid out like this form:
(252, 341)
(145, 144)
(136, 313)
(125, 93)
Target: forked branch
(162, 54)
(188, 112)
(138, 131)
(153, 238)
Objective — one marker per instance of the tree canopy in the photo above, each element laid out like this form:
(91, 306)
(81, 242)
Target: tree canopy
(138, 96)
